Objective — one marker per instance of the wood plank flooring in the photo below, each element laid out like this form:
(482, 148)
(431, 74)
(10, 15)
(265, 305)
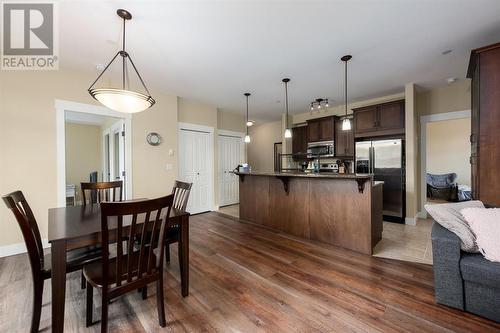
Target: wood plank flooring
(248, 279)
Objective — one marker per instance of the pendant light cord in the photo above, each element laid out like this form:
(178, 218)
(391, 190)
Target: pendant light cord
(346, 88)
(247, 114)
(286, 102)
(123, 56)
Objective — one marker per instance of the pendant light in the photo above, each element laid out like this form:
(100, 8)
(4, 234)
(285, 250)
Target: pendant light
(247, 137)
(122, 100)
(288, 132)
(346, 123)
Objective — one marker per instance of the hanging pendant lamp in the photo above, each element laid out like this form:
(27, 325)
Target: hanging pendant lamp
(122, 100)
(288, 131)
(346, 123)
(247, 137)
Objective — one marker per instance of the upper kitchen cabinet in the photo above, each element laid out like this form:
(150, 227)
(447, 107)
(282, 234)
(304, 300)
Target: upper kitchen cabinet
(299, 140)
(344, 140)
(320, 129)
(378, 120)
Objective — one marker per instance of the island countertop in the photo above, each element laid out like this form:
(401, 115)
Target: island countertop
(339, 209)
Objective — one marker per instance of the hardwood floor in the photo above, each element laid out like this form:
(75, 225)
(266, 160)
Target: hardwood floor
(248, 279)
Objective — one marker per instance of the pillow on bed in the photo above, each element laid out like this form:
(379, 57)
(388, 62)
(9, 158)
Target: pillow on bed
(448, 215)
(485, 223)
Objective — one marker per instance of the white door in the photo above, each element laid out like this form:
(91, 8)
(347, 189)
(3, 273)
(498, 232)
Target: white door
(114, 154)
(196, 166)
(230, 156)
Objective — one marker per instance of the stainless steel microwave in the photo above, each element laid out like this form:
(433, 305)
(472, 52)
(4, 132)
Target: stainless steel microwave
(324, 149)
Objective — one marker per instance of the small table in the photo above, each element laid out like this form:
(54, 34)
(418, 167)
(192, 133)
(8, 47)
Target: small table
(80, 226)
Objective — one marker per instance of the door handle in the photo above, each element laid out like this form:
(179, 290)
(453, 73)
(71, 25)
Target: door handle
(198, 173)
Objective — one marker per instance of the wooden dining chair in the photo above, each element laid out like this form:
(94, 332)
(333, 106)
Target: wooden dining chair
(138, 265)
(181, 193)
(105, 191)
(40, 264)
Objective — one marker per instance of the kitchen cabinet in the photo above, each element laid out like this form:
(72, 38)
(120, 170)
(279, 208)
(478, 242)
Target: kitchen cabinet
(344, 140)
(299, 140)
(484, 66)
(320, 129)
(380, 120)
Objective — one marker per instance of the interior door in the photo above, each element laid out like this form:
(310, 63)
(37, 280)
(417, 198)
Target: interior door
(194, 167)
(230, 149)
(117, 144)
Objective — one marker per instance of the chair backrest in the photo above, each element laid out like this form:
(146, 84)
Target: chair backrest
(181, 192)
(106, 191)
(144, 221)
(17, 203)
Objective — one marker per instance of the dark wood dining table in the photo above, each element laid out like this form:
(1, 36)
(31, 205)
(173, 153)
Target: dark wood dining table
(76, 227)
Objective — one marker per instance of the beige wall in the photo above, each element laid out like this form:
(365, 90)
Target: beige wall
(193, 112)
(83, 154)
(260, 152)
(231, 121)
(450, 98)
(411, 153)
(28, 141)
(448, 148)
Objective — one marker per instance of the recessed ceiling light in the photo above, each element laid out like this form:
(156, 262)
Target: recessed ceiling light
(451, 80)
(445, 52)
(99, 67)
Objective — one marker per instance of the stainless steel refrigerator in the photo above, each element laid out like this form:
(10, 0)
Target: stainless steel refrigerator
(385, 159)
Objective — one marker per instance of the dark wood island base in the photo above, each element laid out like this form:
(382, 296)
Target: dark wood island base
(339, 209)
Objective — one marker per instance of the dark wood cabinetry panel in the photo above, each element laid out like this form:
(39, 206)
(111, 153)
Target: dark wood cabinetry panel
(344, 140)
(299, 140)
(326, 129)
(379, 120)
(320, 129)
(313, 129)
(484, 67)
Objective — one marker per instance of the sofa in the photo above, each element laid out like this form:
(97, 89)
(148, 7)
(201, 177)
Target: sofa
(465, 281)
(442, 187)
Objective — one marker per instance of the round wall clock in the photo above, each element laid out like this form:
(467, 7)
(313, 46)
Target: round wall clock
(154, 139)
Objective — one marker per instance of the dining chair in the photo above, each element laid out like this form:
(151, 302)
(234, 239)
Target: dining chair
(181, 191)
(40, 263)
(105, 191)
(138, 265)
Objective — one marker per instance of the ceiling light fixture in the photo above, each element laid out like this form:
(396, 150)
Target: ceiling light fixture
(247, 137)
(346, 123)
(288, 131)
(250, 123)
(318, 103)
(122, 100)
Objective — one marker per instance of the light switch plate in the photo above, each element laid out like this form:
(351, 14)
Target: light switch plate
(170, 152)
(169, 167)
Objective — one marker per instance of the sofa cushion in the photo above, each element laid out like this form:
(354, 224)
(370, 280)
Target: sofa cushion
(477, 269)
(448, 215)
(441, 181)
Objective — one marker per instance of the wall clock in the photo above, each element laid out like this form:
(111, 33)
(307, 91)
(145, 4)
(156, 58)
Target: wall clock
(154, 139)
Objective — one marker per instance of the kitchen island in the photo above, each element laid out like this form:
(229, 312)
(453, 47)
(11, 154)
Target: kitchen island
(339, 209)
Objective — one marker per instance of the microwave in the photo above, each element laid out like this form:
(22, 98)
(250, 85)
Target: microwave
(324, 148)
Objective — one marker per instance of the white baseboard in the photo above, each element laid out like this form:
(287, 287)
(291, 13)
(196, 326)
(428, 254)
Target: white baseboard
(13, 249)
(422, 215)
(411, 220)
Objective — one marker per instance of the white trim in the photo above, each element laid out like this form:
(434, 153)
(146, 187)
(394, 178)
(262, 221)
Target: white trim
(424, 120)
(61, 107)
(410, 220)
(211, 153)
(13, 249)
(230, 133)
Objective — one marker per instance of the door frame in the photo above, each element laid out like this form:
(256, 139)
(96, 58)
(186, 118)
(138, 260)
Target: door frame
(424, 120)
(61, 106)
(211, 171)
(233, 134)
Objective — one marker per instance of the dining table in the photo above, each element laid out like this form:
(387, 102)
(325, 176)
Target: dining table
(75, 227)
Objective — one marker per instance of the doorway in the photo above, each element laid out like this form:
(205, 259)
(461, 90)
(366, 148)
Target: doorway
(230, 148)
(196, 161)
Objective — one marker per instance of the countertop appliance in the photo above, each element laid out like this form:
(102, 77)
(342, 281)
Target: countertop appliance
(384, 158)
(329, 167)
(323, 149)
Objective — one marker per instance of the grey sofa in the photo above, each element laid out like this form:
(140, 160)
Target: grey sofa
(465, 281)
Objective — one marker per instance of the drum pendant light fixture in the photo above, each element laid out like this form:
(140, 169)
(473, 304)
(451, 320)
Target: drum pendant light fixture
(346, 123)
(247, 137)
(288, 131)
(122, 100)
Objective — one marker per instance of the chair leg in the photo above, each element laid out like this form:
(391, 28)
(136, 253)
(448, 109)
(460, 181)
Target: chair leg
(144, 291)
(104, 313)
(90, 304)
(37, 305)
(160, 302)
(179, 253)
(83, 281)
(167, 254)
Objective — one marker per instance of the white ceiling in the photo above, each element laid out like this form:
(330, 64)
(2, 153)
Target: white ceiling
(213, 52)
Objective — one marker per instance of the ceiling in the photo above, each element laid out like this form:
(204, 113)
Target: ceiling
(213, 52)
